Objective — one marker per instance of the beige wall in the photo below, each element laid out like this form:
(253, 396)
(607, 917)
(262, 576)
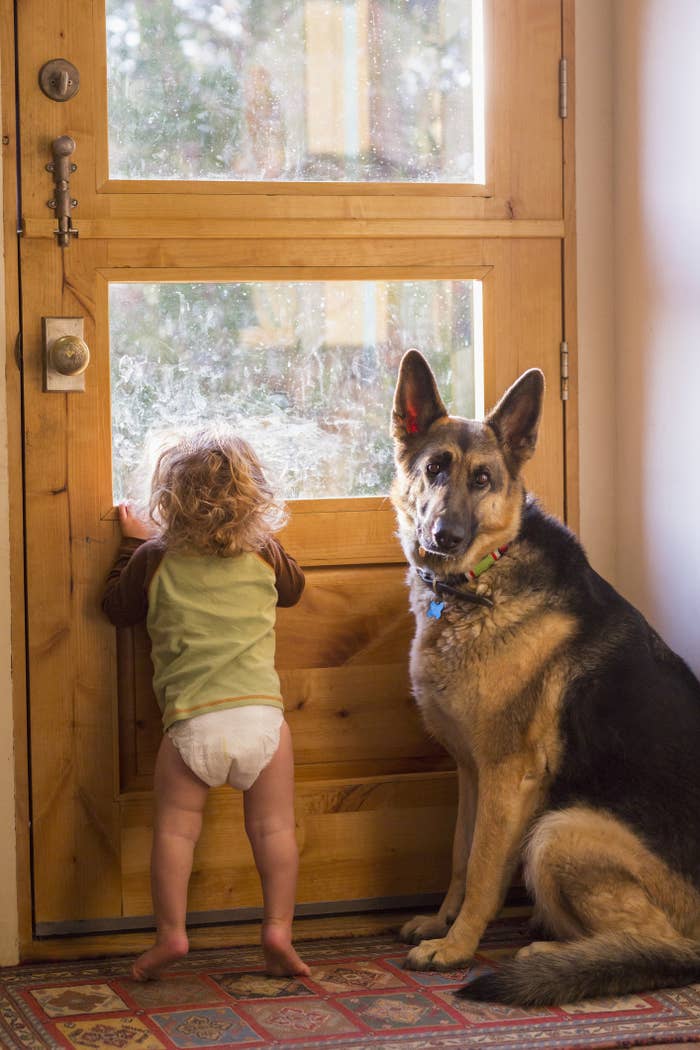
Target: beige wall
(657, 279)
(596, 278)
(638, 169)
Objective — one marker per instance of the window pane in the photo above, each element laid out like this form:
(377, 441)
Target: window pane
(305, 371)
(296, 90)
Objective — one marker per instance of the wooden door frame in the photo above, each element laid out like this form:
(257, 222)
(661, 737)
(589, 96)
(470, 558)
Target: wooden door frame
(29, 946)
(13, 391)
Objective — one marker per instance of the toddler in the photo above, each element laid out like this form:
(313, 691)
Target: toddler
(207, 577)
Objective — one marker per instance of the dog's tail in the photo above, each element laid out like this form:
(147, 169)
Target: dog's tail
(606, 964)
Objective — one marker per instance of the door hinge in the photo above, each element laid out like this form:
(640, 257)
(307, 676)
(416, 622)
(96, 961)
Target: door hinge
(19, 359)
(564, 369)
(563, 89)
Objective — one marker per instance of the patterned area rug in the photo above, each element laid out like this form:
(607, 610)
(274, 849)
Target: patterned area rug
(358, 996)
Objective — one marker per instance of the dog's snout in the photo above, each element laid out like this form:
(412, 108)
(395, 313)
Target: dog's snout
(447, 535)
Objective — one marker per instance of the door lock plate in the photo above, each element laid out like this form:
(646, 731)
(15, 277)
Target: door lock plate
(59, 79)
(66, 355)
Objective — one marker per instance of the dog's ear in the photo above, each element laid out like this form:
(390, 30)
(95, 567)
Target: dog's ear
(516, 418)
(417, 402)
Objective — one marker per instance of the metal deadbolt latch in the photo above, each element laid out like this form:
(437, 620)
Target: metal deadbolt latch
(59, 79)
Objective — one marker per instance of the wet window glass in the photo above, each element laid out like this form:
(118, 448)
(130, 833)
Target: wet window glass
(296, 90)
(304, 370)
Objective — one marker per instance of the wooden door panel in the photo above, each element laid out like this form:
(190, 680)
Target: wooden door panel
(342, 653)
(378, 838)
(342, 658)
(522, 316)
(523, 138)
(375, 796)
(75, 816)
(345, 721)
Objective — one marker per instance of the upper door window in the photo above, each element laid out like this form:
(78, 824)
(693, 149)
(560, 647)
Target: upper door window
(296, 90)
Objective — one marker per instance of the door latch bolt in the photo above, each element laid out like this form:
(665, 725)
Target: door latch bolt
(61, 167)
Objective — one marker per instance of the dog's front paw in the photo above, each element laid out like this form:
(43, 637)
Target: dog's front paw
(438, 954)
(423, 928)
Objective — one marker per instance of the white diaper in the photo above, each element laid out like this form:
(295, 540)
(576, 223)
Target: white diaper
(233, 745)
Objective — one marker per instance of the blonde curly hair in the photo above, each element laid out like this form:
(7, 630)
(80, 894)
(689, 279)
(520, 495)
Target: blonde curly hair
(209, 495)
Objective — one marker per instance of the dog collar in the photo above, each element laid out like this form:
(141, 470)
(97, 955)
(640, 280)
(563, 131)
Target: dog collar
(443, 587)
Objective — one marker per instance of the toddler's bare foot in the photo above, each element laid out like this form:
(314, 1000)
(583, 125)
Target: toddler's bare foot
(169, 947)
(281, 960)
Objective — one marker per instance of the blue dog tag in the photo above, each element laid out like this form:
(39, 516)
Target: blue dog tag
(435, 610)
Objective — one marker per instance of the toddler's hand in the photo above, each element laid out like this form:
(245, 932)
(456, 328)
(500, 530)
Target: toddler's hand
(131, 525)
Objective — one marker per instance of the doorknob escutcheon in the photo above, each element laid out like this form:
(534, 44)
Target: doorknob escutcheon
(65, 352)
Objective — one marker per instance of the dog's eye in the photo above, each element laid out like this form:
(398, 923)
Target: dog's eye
(433, 468)
(482, 478)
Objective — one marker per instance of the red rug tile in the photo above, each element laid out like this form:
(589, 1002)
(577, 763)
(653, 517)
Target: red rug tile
(358, 996)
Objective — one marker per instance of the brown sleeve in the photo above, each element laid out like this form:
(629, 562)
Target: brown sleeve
(289, 579)
(125, 599)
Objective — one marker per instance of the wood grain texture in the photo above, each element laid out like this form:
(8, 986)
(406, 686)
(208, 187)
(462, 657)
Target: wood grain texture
(75, 817)
(373, 838)
(523, 148)
(571, 414)
(314, 229)
(232, 935)
(374, 792)
(342, 654)
(17, 748)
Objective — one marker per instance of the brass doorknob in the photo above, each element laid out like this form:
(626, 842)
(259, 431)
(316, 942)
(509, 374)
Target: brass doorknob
(70, 355)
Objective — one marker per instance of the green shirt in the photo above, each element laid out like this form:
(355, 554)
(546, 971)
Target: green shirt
(211, 622)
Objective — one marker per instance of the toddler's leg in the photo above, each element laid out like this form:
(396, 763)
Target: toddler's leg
(269, 822)
(179, 798)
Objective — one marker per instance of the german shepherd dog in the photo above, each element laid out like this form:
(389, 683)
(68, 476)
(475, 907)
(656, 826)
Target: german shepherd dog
(575, 729)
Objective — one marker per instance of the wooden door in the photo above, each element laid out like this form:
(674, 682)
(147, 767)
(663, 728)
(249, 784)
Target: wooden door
(375, 796)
